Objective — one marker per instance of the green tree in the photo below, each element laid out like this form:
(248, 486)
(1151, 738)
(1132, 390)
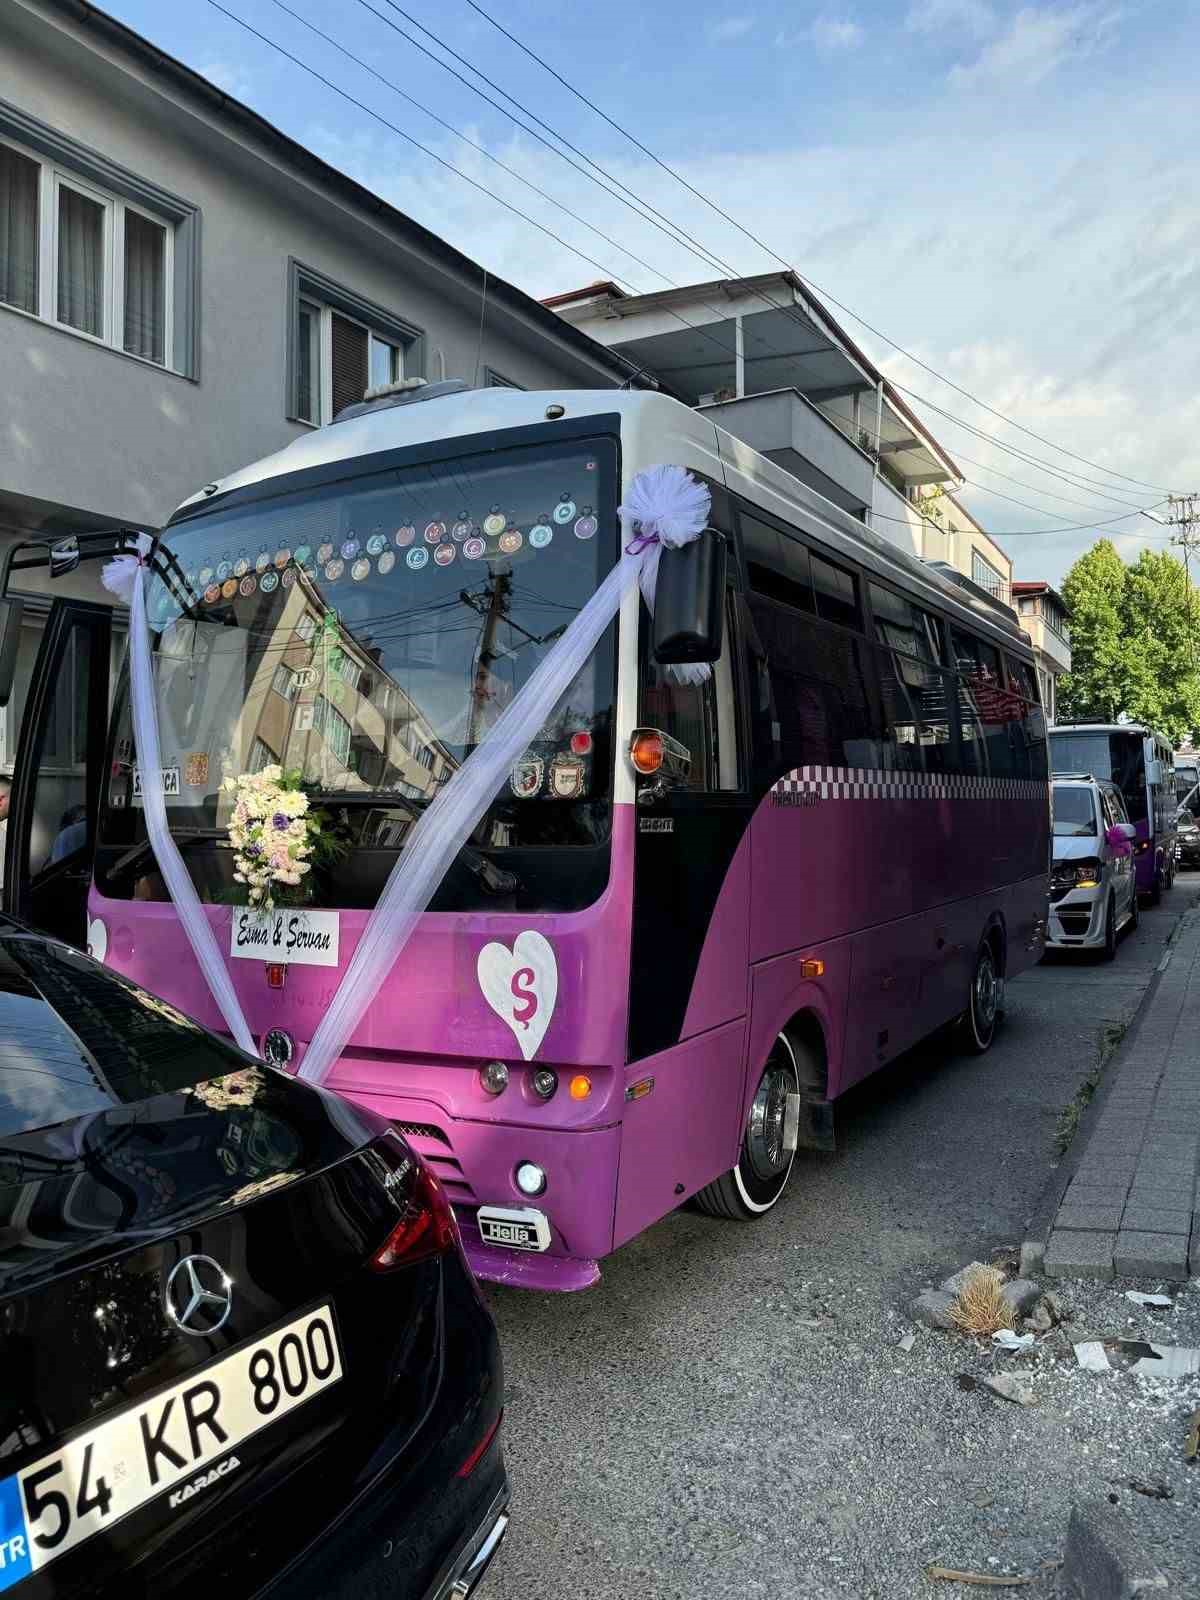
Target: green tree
(1159, 627)
(1133, 642)
(1094, 590)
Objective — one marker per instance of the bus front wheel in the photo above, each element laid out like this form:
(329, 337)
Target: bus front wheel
(985, 1004)
(764, 1162)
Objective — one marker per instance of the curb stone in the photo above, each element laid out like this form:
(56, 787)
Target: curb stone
(1102, 1559)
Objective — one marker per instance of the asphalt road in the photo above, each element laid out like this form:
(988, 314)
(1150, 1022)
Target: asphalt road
(727, 1412)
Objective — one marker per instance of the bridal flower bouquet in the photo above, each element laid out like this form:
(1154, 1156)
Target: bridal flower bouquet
(273, 833)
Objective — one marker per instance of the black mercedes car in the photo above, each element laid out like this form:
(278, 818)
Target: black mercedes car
(241, 1352)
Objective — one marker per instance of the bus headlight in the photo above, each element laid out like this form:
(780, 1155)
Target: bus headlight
(494, 1077)
(530, 1178)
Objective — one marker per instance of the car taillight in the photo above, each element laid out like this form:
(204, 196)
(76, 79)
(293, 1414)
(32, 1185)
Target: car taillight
(481, 1449)
(426, 1229)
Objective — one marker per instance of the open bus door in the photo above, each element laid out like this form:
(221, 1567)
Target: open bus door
(61, 746)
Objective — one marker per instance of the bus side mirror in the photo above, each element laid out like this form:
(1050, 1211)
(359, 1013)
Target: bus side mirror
(689, 602)
(11, 614)
(1154, 773)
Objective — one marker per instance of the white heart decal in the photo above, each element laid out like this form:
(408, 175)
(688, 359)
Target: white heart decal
(521, 985)
(97, 939)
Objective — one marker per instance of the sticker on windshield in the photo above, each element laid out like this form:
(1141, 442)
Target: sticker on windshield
(195, 769)
(288, 578)
(212, 594)
(494, 522)
(247, 586)
(444, 554)
(565, 509)
(511, 541)
(241, 567)
(302, 553)
(229, 588)
(282, 556)
(223, 570)
(262, 560)
(376, 544)
(417, 559)
(324, 552)
(475, 549)
(386, 562)
(269, 582)
(526, 778)
(540, 535)
(334, 570)
(587, 524)
(405, 535)
(170, 782)
(349, 549)
(360, 569)
(462, 529)
(434, 531)
(206, 576)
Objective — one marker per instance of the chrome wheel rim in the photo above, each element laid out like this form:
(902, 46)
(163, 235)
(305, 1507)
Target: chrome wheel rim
(986, 995)
(765, 1151)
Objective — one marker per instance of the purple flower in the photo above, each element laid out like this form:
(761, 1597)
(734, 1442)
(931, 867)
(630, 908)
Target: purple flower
(254, 850)
(280, 821)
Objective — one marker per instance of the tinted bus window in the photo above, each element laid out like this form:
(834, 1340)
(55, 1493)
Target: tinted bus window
(776, 565)
(901, 625)
(820, 684)
(837, 593)
(1119, 756)
(903, 733)
(1022, 677)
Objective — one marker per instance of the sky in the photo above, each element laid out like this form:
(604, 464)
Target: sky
(1005, 193)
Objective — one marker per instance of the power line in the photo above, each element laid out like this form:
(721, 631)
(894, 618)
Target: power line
(1035, 533)
(774, 254)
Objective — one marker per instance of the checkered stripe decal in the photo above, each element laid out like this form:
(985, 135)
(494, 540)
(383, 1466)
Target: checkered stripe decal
(861, 783)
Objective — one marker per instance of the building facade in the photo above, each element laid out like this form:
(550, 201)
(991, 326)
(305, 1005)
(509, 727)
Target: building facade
(183, 289)
(1045, 618)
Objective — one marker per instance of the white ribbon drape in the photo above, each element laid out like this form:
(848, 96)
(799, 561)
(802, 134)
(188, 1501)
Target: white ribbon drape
(125, 576)
(667, 507)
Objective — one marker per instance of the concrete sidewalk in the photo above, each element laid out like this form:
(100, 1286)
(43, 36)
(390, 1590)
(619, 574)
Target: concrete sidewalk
(1130, 1209)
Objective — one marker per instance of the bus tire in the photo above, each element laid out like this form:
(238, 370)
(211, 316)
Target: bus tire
(1155, 895)
(753, 1187)
(980, 1019)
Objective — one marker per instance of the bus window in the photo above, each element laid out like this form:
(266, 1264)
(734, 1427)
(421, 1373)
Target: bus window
(819, 679)
(701, 716)
(902, 625)
(903, 733)
(1022, 678)
(777, 565)
(837, 594)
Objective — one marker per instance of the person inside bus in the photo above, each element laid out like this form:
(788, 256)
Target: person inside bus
(72, 833)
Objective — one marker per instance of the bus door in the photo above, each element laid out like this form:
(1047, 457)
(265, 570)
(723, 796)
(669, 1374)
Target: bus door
(58, 773)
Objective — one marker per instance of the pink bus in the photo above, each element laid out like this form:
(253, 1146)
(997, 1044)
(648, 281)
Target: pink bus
(692, 917)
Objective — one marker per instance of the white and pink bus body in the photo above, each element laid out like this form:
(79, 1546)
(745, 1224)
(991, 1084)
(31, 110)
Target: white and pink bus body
(638, 988)
(1141, 763)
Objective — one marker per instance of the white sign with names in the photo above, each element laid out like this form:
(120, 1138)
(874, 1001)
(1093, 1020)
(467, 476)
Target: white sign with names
(289, 934)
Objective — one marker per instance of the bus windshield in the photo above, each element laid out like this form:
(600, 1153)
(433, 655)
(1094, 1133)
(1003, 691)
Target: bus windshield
(1074, 812)
(1118, 756)
(366, 635)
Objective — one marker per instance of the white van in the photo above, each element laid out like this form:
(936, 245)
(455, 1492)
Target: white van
(1093, 889)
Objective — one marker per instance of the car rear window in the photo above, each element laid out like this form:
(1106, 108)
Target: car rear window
(1074, 812)
(75, 1039)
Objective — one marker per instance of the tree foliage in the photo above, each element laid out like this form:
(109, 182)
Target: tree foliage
(1134, 647)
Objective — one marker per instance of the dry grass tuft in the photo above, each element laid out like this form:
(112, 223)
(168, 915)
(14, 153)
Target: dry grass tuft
(980, 1307)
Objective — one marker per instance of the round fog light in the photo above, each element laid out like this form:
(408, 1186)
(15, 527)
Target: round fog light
(531, 1179)
(494, 1077)
(544, 1081)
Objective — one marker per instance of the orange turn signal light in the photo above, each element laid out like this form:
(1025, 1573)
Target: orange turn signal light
(581, 1086)
(812, 967)
(646, 751)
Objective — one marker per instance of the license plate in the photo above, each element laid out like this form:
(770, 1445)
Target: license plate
(517, 1229)
(176, 1446)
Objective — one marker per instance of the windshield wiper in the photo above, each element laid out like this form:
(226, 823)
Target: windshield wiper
(133, 858)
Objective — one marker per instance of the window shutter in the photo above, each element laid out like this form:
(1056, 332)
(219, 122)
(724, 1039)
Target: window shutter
(349, 363)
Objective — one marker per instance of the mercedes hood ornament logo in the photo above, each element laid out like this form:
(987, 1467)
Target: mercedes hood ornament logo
(198, 1296)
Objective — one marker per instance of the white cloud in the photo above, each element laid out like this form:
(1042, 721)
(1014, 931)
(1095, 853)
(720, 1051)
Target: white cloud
(227, 75)
(934, 16)
(728, 29)
(1035, 43)
(831, 34)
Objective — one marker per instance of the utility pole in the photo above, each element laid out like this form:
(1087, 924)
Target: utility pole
(1184, 514)
(494, 611)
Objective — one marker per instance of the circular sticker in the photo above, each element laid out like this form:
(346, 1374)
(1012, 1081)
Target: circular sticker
(462, 529)
(376, 544)
(302, 554)
(360, 569)
(417, 558)
(241, 567)
(350, 549)
(435, 531)
(206, 574)
(386, 562)
(404, 535)
(288, 578)
(323, 554)
(247, 586)
(212, 594)
(229, 588)
(511, 541)
(262, 561)
(334, 570)
(282, 556)
(494, 522)
(586, 527)
(565, 509)
(540, 535)
(444, 554)
(224, 568)
(474, 549)
(268, 582)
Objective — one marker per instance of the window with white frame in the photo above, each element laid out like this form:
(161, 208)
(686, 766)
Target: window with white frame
(985, 575)
(87, 257)
(341, 345)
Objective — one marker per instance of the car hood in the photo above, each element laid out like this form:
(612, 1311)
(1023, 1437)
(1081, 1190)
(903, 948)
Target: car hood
(1067, 849)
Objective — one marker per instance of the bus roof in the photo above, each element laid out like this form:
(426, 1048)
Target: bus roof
(647, 421)
(1105, 727)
